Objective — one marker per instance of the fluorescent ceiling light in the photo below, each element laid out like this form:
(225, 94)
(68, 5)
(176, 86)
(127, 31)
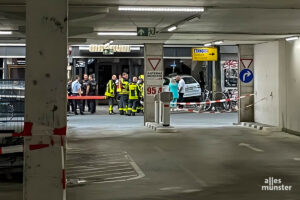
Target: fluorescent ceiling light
(207, 44)
(118, 33)
(12, 45)
(172, 28)
(219, 42)
(160, 9)
(292, 38)
(5, 32)
(135, 48)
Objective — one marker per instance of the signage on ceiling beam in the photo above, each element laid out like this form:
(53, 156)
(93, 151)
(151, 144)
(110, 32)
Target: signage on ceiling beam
(113, 48)
(146, 31)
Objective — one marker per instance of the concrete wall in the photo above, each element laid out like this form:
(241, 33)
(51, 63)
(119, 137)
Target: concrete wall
(277, 72)
(292, 55)
(266, 84)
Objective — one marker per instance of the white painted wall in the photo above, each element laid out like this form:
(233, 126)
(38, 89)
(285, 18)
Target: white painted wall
(266, 73)
(277, 70)
(293, 86)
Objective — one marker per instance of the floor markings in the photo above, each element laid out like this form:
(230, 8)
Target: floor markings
(170, 188)
(297, 159)
(104, 167)
(191, 190)
(186, 170)
(250, 147)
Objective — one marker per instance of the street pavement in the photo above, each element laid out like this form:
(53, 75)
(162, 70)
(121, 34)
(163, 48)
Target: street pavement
(117, 158)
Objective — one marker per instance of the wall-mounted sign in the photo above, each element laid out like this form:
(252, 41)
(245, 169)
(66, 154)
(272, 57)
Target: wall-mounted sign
(246, 75)
(155, 77)
(205, 54)
(146, 31)
(114, 48)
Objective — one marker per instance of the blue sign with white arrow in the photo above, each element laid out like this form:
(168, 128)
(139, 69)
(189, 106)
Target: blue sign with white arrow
(246, 75)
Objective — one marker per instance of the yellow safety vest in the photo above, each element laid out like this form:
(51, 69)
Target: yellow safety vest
(110, 89)
(133, 91)
(124, 86)
(141, 89)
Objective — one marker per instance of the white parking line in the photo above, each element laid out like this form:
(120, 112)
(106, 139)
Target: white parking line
(170, 188)
(191, 190)
(84, 177)
(186, 170)
(250, 147)
(96, 172)
(99, 168)
(297, 159)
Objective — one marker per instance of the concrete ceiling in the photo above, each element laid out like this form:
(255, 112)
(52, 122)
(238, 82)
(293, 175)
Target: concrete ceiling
(234, 21)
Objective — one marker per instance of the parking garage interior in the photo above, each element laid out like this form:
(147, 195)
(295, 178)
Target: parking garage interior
(211, 149)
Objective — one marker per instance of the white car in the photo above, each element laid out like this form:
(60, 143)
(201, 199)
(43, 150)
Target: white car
(192, 87)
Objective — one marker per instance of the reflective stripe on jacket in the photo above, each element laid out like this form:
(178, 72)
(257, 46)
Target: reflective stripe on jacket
(133, 91)
(110, 89)
(124, 86)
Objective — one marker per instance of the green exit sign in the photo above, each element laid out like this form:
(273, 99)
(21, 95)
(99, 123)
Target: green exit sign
(108, 52)
(146, 31)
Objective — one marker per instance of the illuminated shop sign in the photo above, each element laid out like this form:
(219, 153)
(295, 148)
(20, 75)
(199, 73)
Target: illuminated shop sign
(114, 48)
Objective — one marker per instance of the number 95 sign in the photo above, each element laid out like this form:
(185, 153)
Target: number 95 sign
(153, 90)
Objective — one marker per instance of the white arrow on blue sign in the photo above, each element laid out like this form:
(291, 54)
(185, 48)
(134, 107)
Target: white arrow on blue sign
(246, 75)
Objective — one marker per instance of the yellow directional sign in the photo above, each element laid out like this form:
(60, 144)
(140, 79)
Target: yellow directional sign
(205, 54)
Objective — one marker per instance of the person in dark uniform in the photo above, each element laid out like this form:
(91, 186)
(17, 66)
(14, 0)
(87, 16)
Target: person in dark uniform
(69, 91)
(84, 84)
(91, 91)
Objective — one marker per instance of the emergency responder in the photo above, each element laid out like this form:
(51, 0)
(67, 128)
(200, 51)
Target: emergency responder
(110, 93)
(141, 92)
(133, 97)
(91, 91)
(84, 84)
(69, 90)
(123, 85)
(76, 91)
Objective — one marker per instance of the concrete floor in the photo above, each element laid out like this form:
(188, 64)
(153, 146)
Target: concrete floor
(209, 159)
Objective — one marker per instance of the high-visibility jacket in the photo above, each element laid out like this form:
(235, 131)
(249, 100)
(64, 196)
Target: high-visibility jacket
(110, 89)
(124, 86)
(141, 89)
(133, 91)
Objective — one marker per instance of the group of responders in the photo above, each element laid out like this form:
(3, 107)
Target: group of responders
(118, 91)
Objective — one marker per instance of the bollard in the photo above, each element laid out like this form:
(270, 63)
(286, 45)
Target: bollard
(165, 98)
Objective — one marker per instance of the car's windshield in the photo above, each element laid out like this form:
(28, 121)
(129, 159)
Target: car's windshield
(189, 80)
(166, 81)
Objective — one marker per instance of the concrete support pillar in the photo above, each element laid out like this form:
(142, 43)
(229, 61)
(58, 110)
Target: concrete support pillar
(246, 114)
(45, 106)
(154, 72)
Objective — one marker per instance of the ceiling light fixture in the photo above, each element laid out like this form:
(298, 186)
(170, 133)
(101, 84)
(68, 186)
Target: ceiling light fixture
(160, 9)
(118, 33)
(172, 28)
(219, 42)
(292, 38)
(207, 44)
(11, 44)
(5, 32)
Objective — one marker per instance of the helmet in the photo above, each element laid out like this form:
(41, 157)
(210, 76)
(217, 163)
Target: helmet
(141, 77)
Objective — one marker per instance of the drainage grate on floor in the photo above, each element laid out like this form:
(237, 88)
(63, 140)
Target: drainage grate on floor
(101, 167)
